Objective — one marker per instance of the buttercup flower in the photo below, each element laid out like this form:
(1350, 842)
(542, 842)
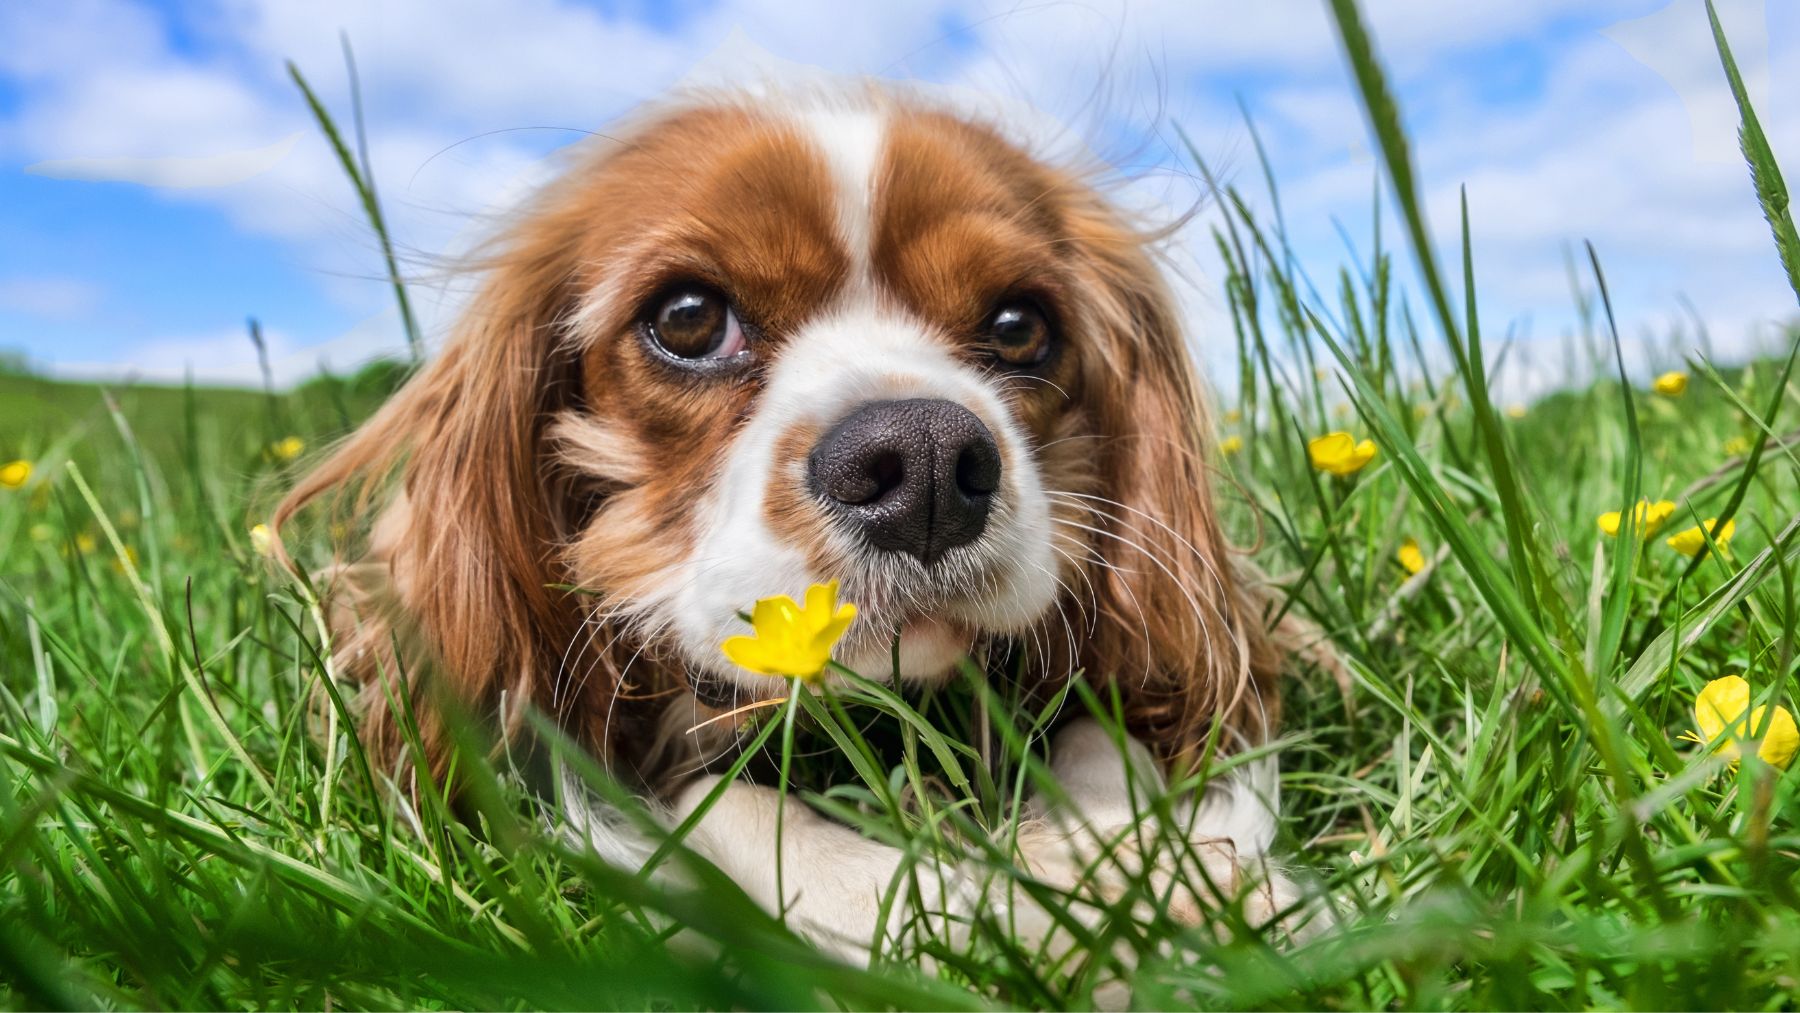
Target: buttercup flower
(1232, 415)
(1649, 516)
(1340, 454)
(791, 639)
(1411, 556)
(1737, 446)
(14, 474)
(1671, 384)
(1231, 445)
(287, 449)
(1690, 542)
(1516, 411)
(1719, 716)
(261, 540)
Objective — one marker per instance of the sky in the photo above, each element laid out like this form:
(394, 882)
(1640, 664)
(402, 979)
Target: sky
(161, 180)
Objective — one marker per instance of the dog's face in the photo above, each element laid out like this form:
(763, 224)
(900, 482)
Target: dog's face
(840, 345)
(754, 346)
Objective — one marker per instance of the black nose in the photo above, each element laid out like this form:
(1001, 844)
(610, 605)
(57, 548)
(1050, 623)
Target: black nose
(916, 476)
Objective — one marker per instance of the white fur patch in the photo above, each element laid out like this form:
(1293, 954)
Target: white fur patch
(851, 140)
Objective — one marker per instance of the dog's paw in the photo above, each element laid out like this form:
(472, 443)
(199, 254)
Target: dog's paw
(848, 894)
(1192, 882)
(1112, 835)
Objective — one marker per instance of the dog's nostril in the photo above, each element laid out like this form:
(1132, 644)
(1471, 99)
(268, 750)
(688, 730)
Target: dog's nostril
(886, 472)
(978, 468)
(914, 476)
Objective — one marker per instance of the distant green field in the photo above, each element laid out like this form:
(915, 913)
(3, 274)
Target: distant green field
(1499, 798)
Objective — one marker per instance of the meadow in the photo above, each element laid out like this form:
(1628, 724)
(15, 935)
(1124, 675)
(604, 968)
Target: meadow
(1493, 784)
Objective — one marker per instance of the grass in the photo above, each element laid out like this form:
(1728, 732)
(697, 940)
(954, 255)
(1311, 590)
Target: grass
(1496, 798)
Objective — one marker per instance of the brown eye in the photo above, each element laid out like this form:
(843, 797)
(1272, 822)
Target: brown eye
(696, 323)
(1019, 334)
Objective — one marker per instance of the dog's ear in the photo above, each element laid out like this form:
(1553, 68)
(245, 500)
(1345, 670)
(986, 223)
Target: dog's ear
(1178, 627)
(451, 592)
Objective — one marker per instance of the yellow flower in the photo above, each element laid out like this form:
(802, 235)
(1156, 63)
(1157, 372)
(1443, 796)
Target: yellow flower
(1516, 411)
(1231, 445)
(14, 474)
(287, 449)
(1649, 516)
(1671, 384)
(1719, 715)
(1737, 446)
(1233, 416)
(1340, 454)
(261, 540)
(1411, 556)
(791, 640)
(131, 557)
(84, 542)
(1690, 542)
(42, 532)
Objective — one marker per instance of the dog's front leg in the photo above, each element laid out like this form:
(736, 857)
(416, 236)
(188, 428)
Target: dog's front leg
(833, 880)
(1098, 836)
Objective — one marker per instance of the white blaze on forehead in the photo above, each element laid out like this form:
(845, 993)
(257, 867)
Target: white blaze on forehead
(851, 140)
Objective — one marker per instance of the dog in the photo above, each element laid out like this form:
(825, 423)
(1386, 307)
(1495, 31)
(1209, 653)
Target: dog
(749, 343)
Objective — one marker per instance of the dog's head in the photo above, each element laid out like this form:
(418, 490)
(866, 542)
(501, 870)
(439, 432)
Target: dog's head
(750, 345)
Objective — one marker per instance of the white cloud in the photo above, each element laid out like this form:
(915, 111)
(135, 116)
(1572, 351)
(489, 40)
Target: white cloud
(174, 172)
(48, 297)
(1667, 42)
(229, 357)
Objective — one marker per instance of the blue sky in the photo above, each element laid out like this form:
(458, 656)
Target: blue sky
(1567, 119)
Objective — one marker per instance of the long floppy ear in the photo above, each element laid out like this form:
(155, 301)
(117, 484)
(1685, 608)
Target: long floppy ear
(452, 585)
(1179, 628)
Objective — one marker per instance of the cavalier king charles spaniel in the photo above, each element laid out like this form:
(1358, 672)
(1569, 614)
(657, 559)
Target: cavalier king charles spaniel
(747, 344)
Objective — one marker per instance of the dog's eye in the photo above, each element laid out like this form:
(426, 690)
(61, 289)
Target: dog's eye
(1019, 334)
(696, 323)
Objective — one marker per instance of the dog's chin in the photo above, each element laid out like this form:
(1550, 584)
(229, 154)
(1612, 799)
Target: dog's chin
(929, 649)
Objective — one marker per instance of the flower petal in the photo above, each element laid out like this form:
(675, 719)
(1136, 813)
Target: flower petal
(1654, 514)
(821, 601)
(1339, 453)
(835, 627)
(1719, 704)
(1780, 740)
(750, 653)
(773, 614)
(1609, 523)
(1411, 557)
(1329, 449)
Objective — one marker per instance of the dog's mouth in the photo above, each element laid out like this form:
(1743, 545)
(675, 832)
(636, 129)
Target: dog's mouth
(717, 692)
(920, 648)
